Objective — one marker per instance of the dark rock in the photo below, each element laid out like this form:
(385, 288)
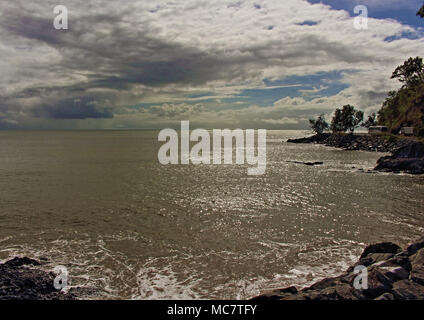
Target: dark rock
(408, 290)
(407, 155)
(393, 274)
(21, 280)
(413, 248)
(372, 258)
(409, 159)
(417, 275)
(417, 270)
(308, 163)
(386, 296)
(278, 294)
(385, 247)
(316, 163)
(17, 262)
(318, 138)
(417, 259)
(378, 283)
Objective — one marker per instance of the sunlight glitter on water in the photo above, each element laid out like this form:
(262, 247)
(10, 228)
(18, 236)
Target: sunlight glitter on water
(100, 204)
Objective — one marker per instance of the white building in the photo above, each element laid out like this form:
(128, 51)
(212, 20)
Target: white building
(377, 129)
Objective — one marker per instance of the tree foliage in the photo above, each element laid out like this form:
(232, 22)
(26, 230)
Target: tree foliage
(411, 72)
(319, 125)
(371, 121)
(421, 12)
(405, 107)
(346, 119)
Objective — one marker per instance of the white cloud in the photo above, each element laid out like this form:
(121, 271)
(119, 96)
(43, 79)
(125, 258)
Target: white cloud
(134, 52)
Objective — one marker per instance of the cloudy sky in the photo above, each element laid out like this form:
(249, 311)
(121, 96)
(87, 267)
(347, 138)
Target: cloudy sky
(222, 63)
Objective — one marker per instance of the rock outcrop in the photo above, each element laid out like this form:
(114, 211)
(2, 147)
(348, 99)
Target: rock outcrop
(393, 274)
(356, 142)
(407, 155)
(409, 159)
(21, 279)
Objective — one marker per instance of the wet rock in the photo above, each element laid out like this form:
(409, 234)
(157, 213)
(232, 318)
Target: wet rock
(393, 274)
(21, 280)
(385, 247)
(316, 163)
(17, 262)
(417, 267)
(372, 258)
(407, 155)
(413, 248)
(409, 159)
(408, 290)
(277, 294)
(417, 275)
(386, 296)
(378, 283)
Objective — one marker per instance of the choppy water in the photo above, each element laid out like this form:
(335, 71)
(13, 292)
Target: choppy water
(100, 204)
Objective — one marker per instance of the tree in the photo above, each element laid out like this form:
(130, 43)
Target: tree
(346, 119)
(319, 125)
(371, 121)
(411, 72)
(337, 122)
(421, 12)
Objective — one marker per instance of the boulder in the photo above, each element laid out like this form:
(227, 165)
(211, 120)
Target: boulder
(393, 274)
(408, 290)
(385, 247)
(19, 280)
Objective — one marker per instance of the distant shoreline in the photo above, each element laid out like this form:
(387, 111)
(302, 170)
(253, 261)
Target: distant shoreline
(407, 154)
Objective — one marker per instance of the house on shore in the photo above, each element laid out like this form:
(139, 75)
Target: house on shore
(377, 129)
(407, 131)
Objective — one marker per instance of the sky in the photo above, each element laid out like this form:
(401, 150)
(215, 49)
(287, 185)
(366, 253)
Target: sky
(268, 64)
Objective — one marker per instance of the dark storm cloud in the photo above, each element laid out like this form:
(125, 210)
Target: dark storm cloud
(117, 60)
(123, 56)
(76, 108)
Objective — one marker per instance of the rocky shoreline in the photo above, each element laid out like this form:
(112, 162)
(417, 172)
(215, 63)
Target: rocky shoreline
(407, 154)
(393, 274)
(22, 279)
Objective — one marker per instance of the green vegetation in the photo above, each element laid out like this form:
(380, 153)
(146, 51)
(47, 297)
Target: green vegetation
(402, 108)
(391, 137)
(421, 12)
(372, 121)
(405, 107)
(346, 119)
(319, 125)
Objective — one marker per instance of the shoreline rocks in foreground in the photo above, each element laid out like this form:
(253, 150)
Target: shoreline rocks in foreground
(20, 279)
(393, 274)
(407, 154)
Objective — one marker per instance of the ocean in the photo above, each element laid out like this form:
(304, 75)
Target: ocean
(101, 204)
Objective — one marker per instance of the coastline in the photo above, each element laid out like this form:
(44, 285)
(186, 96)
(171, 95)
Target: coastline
(393, 274)
(407, 155)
